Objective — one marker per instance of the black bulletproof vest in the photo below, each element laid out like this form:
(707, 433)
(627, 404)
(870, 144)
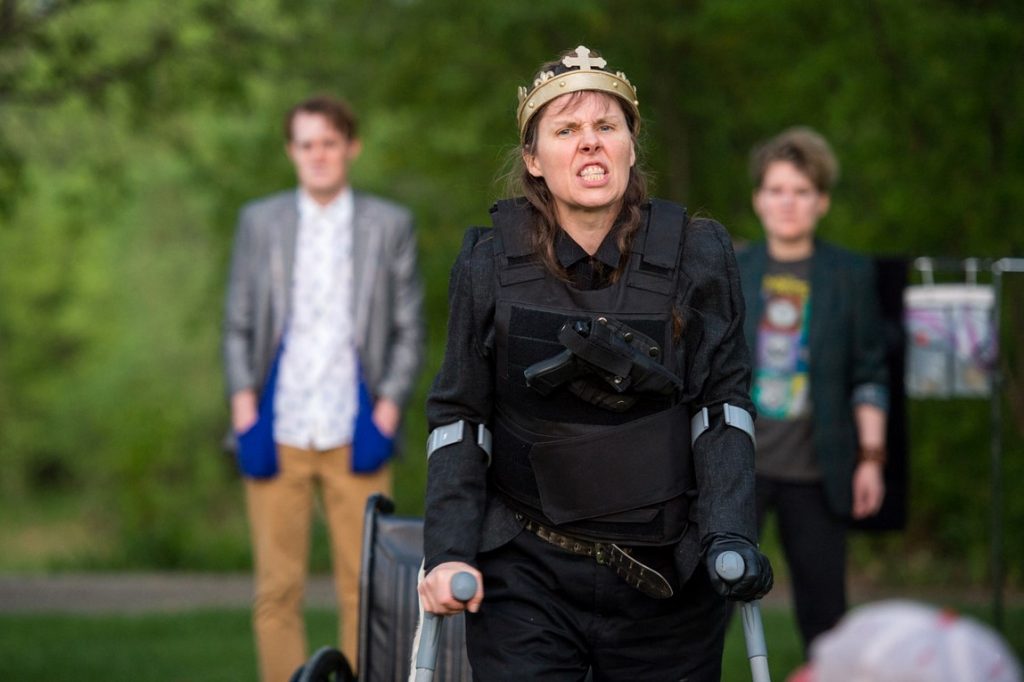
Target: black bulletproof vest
(621, 476)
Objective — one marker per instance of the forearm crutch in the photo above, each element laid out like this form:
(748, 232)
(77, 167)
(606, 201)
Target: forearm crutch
(730, 566)
(463, 589)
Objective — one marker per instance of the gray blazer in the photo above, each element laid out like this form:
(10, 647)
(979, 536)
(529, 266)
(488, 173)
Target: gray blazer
(387, 293)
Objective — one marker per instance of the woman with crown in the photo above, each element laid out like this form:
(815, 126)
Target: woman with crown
(591, 453)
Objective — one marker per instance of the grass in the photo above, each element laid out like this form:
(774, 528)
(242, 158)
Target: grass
(784, 652)
(199, 646)
(216, 646)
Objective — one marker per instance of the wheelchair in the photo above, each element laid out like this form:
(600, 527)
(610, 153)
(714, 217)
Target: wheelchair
(389, 609)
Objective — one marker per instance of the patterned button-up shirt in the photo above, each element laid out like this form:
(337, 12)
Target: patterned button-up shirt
(316, 400)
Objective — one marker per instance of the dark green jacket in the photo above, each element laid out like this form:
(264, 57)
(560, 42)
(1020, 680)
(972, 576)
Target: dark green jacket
(847, 353)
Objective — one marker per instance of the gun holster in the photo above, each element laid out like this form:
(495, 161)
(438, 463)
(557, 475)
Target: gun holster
(606, 363)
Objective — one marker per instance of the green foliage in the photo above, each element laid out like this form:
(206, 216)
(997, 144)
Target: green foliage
(131, 133)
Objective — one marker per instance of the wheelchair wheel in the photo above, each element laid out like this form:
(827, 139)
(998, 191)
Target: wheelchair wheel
(326, 665)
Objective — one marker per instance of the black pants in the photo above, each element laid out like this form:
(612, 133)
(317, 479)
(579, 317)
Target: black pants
(549, 615)
(814, 542)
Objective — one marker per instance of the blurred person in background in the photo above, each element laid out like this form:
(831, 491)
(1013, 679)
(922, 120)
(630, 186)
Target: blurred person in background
(905, 641)
(820, 376)
(591, 450)
(323, 339)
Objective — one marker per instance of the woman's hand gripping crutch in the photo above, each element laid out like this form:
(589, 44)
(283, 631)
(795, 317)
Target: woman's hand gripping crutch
(729, 566)
(464, 591)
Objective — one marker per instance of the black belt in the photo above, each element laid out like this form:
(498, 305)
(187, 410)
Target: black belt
(635, 573)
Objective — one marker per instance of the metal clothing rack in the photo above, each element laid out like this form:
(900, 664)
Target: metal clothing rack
(927, 266)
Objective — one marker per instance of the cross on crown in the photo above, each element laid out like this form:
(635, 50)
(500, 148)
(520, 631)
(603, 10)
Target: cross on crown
(583, 60)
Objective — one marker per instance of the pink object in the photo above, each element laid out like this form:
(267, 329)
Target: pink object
(905, 641)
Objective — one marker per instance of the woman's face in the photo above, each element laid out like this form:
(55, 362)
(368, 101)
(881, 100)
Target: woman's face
(788, 204)
(584, 151)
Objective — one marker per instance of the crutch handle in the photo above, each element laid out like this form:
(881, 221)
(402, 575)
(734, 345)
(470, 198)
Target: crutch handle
(463, 588)
(730, 566)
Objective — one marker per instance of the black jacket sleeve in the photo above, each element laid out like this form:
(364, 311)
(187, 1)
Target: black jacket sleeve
(462, 390)
(870, 375)
(718, 371)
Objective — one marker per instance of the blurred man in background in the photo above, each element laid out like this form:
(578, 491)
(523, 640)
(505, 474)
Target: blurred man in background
(323, 313)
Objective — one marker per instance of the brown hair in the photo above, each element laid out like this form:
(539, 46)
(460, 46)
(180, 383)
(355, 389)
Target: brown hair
(545, 226)
(336, 110)
(804, 148)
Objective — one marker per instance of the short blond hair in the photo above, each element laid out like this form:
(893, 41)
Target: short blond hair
(805, 148)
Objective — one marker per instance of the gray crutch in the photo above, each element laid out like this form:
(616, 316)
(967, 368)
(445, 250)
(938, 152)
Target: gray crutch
(463, 589)
(729, 566)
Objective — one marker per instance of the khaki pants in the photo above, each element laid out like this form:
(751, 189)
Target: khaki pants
(280, 513)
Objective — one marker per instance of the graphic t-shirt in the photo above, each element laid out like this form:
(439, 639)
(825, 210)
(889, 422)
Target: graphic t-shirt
(781, 386)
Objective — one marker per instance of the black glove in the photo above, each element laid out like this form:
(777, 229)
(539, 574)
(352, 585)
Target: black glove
(756, 580)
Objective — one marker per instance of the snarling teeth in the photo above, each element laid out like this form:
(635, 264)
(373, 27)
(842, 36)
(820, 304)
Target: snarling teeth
(592, 173)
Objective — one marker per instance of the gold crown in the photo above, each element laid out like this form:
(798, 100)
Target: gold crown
(580, 75)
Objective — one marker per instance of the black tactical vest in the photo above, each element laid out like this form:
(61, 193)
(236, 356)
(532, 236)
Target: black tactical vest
(622, 474)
